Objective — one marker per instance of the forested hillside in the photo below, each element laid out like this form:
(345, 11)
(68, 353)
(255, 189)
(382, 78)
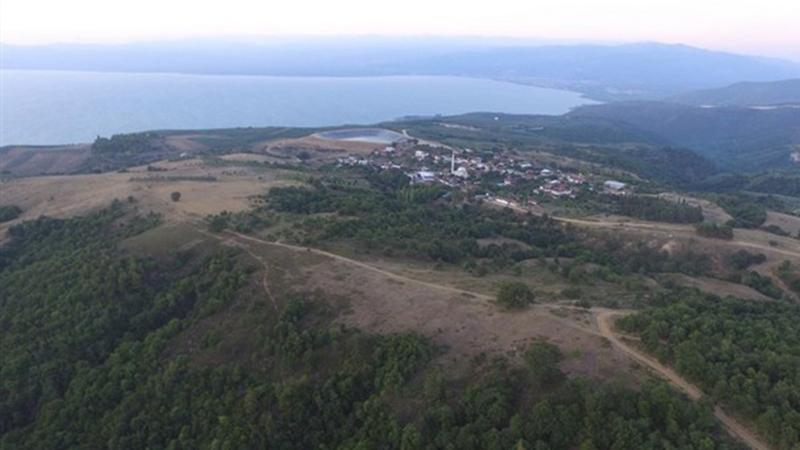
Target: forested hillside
(745, 355)
(89, 361)
(745, 94)
(735, 138)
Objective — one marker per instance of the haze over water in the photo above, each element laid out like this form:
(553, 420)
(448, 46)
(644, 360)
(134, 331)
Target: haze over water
(50, 107)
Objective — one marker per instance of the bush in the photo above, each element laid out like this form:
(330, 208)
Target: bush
(742, 259)
(515, 295)
(714, 230)
(175, 196)
(9, 212)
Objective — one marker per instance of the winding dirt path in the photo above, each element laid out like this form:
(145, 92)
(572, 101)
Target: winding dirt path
(672, 228)
(362, 265)
(732, 426)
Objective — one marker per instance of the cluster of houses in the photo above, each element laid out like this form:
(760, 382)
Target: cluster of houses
(558, 184)
(465, 167)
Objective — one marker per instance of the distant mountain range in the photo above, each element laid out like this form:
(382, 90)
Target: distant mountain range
(605, 72)
(783, 92)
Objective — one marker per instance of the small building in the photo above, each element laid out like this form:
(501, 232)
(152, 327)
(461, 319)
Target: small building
(423, 176)
(615, 187)
(461, 172)
(546, 172)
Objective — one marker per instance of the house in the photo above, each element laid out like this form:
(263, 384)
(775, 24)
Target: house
(461, 172)
(615, 187)
(423, 176)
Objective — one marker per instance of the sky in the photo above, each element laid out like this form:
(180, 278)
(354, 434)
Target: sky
(765, 27)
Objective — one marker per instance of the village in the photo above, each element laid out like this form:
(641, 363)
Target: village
(499, 177)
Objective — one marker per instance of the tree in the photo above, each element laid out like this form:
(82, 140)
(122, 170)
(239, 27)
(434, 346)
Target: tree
(175, 196)
(515, 295)
(542, 359)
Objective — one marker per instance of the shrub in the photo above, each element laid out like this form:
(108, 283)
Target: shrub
(515, 295)
(714, 230)
(175, 196)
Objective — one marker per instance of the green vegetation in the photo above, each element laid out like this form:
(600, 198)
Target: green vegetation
(175, 196)
(653, 208)
(744, 354)
(385, 215)
(742, 259)
(771, 182)
(790, 276)
(414, 221)
(9, 212)
(515, 295)
(124, 150)
(762, 284)
(738, 139)
(90, 301)
(747, 212)
(714, 230)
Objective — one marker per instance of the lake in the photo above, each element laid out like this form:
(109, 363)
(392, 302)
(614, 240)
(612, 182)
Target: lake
(53, 107)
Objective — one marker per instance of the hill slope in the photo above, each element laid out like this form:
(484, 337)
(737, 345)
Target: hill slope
(745, 94)
(733, 137)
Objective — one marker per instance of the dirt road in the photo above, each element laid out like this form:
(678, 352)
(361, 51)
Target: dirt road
(738, 239)
(363, 266)
(733, 427)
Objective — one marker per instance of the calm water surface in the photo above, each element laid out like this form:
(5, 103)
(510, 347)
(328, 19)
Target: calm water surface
(50, 107)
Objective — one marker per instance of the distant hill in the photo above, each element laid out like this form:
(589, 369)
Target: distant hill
(734, 138)
(784, 92)
(605, 72)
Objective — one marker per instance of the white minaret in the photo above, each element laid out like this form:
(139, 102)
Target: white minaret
(453, 162)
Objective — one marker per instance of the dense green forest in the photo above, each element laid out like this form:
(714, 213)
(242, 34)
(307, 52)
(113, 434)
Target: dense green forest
(90, 360)
(772, 182)
(745, 355)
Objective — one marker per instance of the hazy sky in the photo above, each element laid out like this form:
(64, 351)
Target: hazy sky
(753, 26)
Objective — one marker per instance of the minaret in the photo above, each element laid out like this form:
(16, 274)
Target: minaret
(453, 162)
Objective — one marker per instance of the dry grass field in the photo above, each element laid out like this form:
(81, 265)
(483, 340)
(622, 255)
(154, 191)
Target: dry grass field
(68, 195)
